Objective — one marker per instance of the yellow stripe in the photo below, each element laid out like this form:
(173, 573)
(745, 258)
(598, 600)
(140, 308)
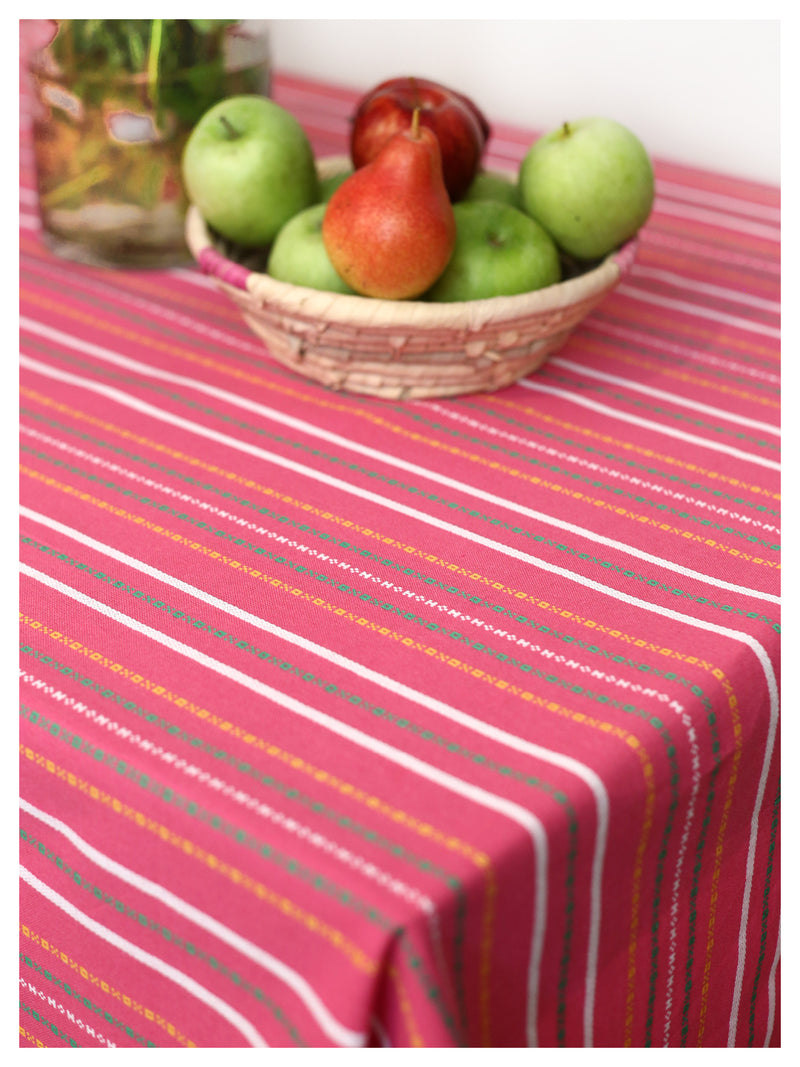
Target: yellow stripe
(414, 1036)
(681, 262)
(648, 775)
(227, 310)
(227, 368)
(452, 661)
(28, 1036)
(485, 962)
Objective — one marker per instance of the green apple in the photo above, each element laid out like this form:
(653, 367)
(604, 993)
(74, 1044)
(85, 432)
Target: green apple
(499, 251)
(248, 167)
(490, 186)
(298, 254)
(590, 184)
(329, 185)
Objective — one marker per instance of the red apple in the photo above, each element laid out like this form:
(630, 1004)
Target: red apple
(460, 127)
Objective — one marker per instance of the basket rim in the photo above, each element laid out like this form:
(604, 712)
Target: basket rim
(370, 312)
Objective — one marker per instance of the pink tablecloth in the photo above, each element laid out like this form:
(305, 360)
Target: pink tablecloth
(446, 723)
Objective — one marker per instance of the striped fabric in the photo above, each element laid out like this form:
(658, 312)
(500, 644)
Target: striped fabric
(347, 722)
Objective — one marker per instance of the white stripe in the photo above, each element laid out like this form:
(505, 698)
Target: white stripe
(338, 1033)
(663, 394)
(380, 1032)
(205, 996)
(313, 100)
(735, 296)
(504, 155)
(526, 819)
(648, 424)
(194, 276)
(738, 205)
(53, 1001)
(393, 685)
(710, 217)
(674, 911)
(751, 859)
(679, 201)
(365, 494)
(29, 222)
(716, 218)
(699, 310)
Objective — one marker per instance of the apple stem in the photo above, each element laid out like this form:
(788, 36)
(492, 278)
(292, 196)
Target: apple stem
(230, 129)
(566, 129)
(415, 124)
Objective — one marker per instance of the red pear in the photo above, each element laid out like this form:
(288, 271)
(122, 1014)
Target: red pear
(389, 229)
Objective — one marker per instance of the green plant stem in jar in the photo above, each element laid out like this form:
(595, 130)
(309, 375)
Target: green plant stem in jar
(116, 102)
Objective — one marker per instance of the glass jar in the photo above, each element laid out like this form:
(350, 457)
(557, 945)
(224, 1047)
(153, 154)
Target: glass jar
(115, 103)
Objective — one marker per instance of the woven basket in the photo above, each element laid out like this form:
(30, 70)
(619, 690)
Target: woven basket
(404, 349)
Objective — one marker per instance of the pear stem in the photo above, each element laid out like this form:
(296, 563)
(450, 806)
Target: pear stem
(230, 130)
(566, 130)
(415, 124)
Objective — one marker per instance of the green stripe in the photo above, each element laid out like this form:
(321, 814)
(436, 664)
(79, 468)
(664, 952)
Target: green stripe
(711, 345)
(694, 891)
(290, 793)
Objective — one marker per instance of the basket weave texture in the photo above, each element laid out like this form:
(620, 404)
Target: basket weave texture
(405, 349)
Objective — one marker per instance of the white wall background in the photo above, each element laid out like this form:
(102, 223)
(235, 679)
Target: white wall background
(701, 92)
